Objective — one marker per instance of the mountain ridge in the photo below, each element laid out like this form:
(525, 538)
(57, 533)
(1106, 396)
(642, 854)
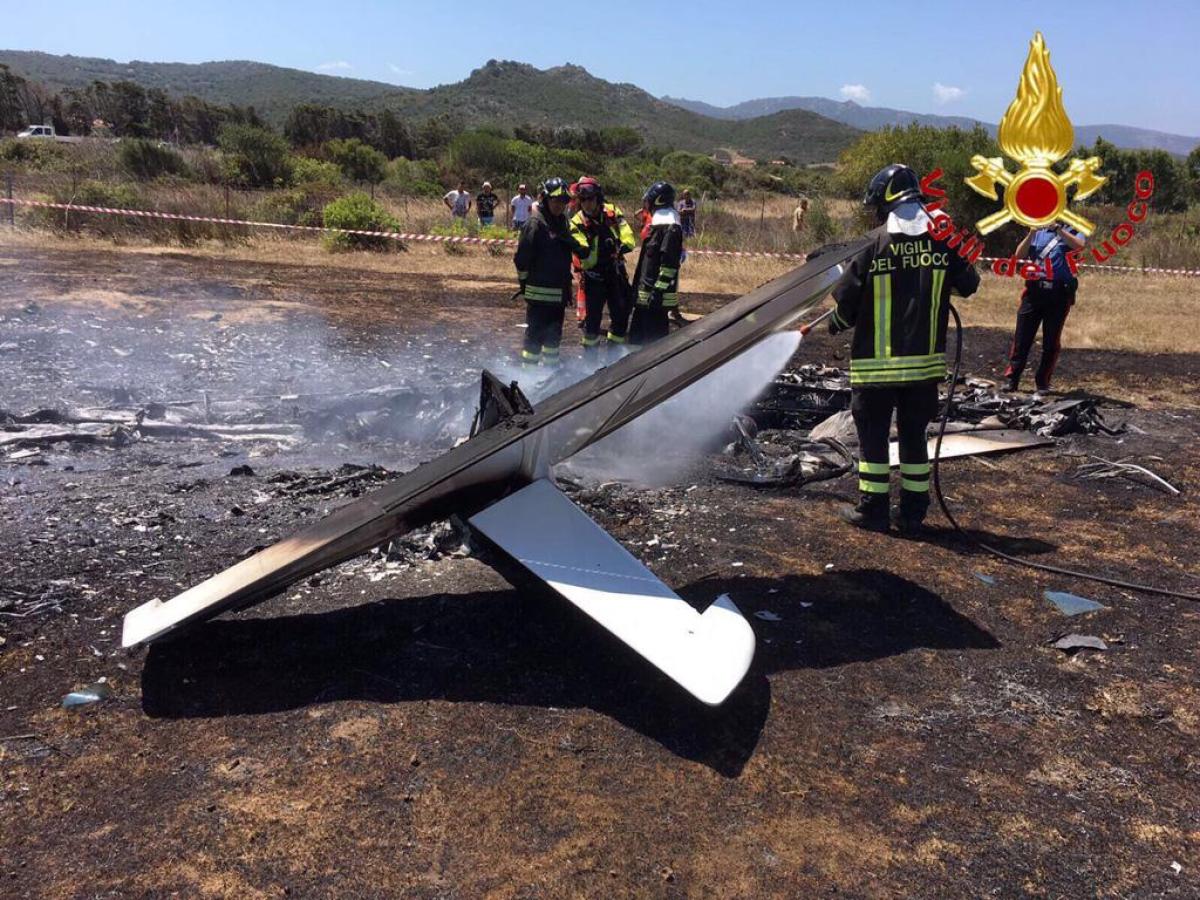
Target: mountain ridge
(501, 93)
(870, 118)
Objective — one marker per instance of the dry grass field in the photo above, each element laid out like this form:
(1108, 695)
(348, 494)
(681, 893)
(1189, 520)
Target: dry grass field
(423, 729)
(1146, 313)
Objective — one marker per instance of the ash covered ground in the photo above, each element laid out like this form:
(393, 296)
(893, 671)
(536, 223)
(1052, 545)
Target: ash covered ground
(408, 723)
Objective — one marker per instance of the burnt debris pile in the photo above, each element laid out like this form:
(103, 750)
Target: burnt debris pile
(800, 429)
(431, 416)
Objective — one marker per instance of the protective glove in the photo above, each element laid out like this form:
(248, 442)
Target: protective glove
(833, 325)
(608, 248)
(656, 300)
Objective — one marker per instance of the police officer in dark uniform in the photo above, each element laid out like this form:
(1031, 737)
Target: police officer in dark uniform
(1045, 301)
(896, 297)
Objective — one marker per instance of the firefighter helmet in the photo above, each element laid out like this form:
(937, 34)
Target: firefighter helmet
(587, 186)
(661, 193)
(554, 187)
(891, 186)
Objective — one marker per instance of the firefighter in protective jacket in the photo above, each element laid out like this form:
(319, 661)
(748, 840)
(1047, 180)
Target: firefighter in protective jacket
(543, 261)
(601, 237)
(896, 296)
(658, 267)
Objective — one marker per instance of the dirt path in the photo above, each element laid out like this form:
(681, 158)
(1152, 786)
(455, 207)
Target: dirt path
(424, 730)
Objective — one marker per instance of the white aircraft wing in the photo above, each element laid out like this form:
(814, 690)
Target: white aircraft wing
(707, 653)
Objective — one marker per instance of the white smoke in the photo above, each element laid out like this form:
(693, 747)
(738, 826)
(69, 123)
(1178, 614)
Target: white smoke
(660, 447)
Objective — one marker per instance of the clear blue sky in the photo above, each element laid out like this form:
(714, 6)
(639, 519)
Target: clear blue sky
(1128, 63)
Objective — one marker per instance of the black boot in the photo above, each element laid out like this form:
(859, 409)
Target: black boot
(871, 513)
(913, 507)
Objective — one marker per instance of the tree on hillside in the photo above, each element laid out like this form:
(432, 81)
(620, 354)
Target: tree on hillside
(393, 138)
(128, 110)
(254, 157)
(12, 115)
(617, 140)
(924, 149)
(1193, 173)
(433, 136)
(1171, 188)
(358, 161)
(162, 116)
(35, 102)
(77, 111)
(309, 125)
(201, 121)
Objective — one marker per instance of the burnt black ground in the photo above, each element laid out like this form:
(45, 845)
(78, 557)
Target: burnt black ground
(428, 731)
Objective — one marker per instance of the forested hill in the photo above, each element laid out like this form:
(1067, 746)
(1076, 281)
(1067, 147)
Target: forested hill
(499, 93)
(271, 90)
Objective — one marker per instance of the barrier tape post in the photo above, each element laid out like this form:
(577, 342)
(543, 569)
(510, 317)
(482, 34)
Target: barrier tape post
(457, 239)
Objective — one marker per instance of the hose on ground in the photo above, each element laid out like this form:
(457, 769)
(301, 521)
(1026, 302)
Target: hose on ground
(1000, 554)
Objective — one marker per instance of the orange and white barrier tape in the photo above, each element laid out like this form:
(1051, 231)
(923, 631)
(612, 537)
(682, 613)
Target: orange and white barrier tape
(464, 239)
(1194, 273)
(217, 220)
(394, 235)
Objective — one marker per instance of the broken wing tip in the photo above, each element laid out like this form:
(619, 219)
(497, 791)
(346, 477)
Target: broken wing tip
(135, 629)
(739, 646)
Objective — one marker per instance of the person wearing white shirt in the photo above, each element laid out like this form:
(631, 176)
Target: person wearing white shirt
(520, 207)
(459, 201)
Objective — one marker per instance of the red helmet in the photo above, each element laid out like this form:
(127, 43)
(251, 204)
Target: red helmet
(587, 186)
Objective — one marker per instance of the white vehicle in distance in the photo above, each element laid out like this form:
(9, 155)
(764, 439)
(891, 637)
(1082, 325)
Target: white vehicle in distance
(47, 131)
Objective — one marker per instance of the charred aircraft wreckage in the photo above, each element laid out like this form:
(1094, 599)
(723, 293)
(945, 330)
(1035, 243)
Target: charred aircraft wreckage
(498, 482)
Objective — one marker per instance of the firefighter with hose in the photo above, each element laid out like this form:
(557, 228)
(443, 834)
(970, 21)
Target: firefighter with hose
(896, 297)
(543, 261)
(602, 237)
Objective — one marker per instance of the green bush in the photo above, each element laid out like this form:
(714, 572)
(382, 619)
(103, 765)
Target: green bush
(359, 162)
(486, 154)
(255, 157)
(205, 164)
(95, 193)
(90, 193)
(291, 206)
(357, 211)
(1172, 191)
(35, 154)
(414, 178)
(694, 171)
(820, 224)
(315, 172)
(146, 160)
(924, 149)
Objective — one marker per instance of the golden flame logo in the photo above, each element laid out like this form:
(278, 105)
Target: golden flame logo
(1036, 132)
(1036, 126)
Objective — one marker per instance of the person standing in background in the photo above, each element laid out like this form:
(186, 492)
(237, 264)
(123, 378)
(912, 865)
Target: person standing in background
(459, 201)
(519, 207)
(485, 204)
(1045, 302)
(687, 214)
(799, 214)
(643, 216)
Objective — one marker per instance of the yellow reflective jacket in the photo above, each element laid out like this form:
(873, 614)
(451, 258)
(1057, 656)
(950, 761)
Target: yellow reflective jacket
(588, 236)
